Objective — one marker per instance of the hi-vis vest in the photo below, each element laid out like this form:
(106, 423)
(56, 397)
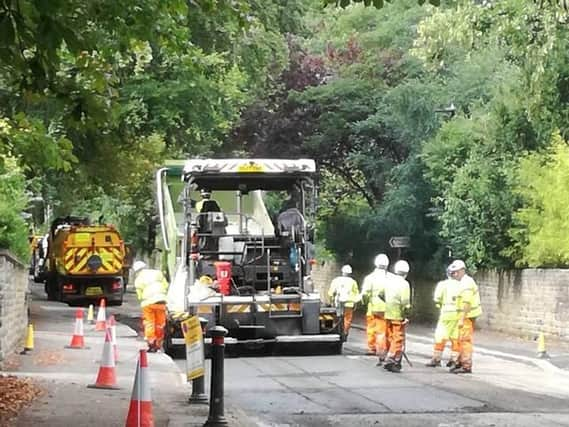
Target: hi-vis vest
(151, 287)
(347, 290)
(469, 294)
(374, 284)
(397, 297)
(447, 299)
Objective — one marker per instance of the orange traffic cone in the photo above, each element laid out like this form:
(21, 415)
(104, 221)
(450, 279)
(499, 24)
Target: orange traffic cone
(140, 409)
(101, 324)
(107, 377)
(78, 341)
(112, 325)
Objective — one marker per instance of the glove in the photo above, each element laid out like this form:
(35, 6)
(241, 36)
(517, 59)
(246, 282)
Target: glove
(461, 323)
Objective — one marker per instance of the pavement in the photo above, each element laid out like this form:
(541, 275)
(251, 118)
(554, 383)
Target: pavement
(65, 373)
(490, 343)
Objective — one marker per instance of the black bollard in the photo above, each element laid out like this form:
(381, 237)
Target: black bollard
(198, 384)
(216, 417)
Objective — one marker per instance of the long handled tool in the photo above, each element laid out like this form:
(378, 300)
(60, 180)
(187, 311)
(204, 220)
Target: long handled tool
(405, 347)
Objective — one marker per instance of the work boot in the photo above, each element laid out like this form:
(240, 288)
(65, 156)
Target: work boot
(392, 366)
(461, 370)
(433, 363)
(380, 362)
(451, 364)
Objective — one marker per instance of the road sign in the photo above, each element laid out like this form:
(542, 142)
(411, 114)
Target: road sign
(400, 242)
(195, 363)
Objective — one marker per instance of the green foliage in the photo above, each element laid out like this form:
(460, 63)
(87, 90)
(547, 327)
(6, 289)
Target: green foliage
(13, 229)
(541, 227)
(375, 3)
(93, 94)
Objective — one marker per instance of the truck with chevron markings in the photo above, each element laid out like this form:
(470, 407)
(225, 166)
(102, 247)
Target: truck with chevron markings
(84, 262)
(241, 256)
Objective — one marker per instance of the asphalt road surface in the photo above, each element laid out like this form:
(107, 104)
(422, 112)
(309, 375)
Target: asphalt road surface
(506, 388)
(349, 390)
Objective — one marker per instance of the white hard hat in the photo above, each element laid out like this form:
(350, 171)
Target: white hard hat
(381, 261)
(347, 269)
(401, 267)
(205, 193)
(138, 265)
(457, 265)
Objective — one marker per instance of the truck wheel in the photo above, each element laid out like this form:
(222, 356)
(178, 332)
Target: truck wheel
(50, 290)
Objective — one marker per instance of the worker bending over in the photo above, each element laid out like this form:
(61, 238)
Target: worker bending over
(151, 289)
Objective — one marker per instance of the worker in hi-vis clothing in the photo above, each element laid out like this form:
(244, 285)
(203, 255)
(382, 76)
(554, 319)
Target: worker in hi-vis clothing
(151, 289)
(446, 299)
(397, 295)
(205, 195)
(375, 321)
(470, 309)
(344, 294)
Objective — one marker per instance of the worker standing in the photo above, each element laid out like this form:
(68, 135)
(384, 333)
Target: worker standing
(397, 294)
(470, 309)
(446, 299)
(344, 294)
(375, 314)
(151, 289)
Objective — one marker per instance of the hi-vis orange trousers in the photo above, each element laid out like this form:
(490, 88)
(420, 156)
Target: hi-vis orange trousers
(395, 339)
(439, 348)
(154, 317)
(376, 335)
(348, 316)
(466, 336)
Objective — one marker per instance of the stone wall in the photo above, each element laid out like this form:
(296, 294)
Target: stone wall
(517, 302)
(14, 303)
(523, 302)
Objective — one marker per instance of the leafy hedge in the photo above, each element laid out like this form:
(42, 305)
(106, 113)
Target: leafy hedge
(13, 229)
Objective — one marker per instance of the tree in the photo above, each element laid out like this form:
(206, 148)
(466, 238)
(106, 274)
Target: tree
(93, 96)
(375, 3)
(540, 226)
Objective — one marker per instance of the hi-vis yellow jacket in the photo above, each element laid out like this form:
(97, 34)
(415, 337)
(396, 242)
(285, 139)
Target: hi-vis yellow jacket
(447, 299)
(397, 297)
(347, 290)
(151, 287)
(469, 294)
(374, 284)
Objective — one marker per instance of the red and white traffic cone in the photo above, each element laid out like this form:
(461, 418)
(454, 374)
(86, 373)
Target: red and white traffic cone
(78, 340)
(112, 325)
(140, 410)
(107, 377)
(101, 324)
